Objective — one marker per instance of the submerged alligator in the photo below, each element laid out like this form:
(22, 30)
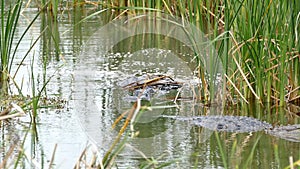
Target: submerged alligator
(243, 124)
(146, 86)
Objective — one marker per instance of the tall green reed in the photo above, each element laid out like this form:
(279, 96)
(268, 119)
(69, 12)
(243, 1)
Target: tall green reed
(9, 23)
(8, 43)
(264, 32)
(9, 20)
(256, 42)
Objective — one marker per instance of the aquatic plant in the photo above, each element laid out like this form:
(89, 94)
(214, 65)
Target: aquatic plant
(257, 42)
(8, 46)
(262, 57)
(9, 20)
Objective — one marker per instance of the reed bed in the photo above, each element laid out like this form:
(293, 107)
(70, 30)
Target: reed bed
(9, 20)
(257, 42)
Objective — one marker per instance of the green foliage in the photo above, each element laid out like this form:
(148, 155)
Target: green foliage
(263, 42)
(9, 20)
(257, 42)
(8, 47)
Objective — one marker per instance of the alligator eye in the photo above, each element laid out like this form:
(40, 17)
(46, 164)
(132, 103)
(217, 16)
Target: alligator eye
(220, 126)
(238, 127)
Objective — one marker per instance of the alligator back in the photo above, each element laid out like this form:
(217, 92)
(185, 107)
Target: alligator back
(238, 124)
(243, 124)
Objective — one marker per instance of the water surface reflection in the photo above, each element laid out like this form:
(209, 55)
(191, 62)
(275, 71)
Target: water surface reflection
(90, 85)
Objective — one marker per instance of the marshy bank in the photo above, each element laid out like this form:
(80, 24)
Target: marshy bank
(60, 71)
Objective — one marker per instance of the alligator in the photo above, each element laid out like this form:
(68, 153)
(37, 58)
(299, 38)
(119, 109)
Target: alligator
(242, 124)
(146, 86)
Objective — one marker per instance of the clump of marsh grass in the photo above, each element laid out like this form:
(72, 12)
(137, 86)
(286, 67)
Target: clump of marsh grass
(9, 20)
(257, 43)
(263, 60)
(8, 46)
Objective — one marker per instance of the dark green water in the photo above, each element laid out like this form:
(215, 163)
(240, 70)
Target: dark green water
(86, 75)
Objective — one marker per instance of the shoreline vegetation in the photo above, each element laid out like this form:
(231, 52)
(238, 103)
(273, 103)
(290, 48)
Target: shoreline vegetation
(257, 43)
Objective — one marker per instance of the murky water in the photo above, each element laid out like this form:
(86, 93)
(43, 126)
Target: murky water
(86, 72)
